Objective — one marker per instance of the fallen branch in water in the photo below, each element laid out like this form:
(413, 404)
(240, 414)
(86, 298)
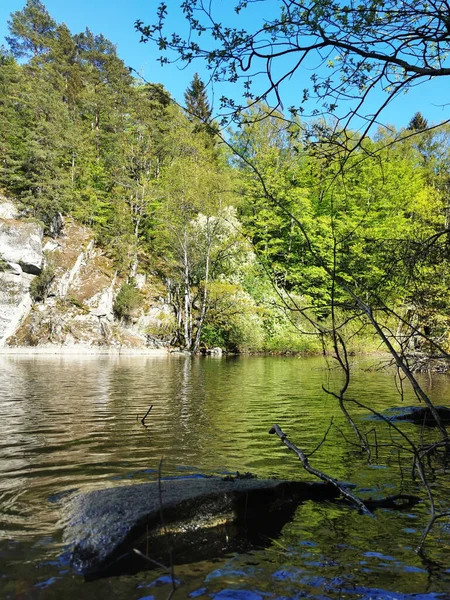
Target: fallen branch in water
(146, 415)
(365, 506)
(323, 476)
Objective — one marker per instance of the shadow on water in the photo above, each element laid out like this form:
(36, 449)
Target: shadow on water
(198, 545)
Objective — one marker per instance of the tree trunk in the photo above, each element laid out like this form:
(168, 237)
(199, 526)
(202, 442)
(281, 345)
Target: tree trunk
(204, 308)
(187, 298)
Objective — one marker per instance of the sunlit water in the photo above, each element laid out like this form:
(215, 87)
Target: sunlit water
(74, 424)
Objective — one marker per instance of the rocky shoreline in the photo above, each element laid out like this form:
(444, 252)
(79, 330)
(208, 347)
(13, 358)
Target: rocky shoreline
(76, 314)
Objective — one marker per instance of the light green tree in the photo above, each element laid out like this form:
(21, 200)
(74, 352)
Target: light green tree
(197, 234)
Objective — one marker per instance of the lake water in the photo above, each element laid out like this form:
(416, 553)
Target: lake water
(72, 423)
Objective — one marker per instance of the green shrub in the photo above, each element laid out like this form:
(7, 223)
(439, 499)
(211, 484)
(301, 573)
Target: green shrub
(127, 302)
(214, 336)
(286, 341)
(40, 286)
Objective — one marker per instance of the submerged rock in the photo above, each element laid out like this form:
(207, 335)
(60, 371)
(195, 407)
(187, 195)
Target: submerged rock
(420, 415)
(102, 525)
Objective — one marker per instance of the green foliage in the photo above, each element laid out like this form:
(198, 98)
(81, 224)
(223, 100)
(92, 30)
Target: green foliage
(40, 286)
(418, 123)
(163, 329)
(369, 221)
(288, 340)
(199, 110)
(213, 337)
(127, 302)
(32, 31)
(235, 322)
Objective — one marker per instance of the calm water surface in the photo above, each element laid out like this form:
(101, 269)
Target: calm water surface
(72, 424)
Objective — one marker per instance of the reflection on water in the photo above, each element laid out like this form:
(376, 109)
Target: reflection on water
(74, 423)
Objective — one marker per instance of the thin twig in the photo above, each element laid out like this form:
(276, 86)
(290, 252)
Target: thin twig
(433, 519)
(322, 440)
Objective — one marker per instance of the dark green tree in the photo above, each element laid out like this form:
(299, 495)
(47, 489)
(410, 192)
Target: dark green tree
(196, 100)
(32, 31)
(418, 123)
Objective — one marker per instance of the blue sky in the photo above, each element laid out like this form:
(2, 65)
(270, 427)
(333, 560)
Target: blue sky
(116, 18)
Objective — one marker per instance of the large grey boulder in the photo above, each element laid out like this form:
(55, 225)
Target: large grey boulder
(217, 351)
(100, 526)
(21, 243)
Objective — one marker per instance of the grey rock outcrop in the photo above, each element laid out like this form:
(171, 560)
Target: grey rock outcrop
(69, 277)
(15, 302)
(8, 210)
(21, 244)
(102, 303)
(56, 225)
(77, 307)
(20, 259)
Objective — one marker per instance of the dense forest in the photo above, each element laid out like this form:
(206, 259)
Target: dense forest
(263, 241)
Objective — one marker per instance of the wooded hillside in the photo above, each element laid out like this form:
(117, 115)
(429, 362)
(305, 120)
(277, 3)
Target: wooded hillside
(263, 248)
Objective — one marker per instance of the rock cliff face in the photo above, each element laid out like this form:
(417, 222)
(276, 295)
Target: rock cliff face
(77, 307)
(20, 259)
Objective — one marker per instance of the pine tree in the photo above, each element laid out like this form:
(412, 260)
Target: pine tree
(36, 115)
(32, 31)
(12, 134)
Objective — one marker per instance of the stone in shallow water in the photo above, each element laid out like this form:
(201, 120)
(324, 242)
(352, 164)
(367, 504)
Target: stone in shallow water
(420, 415)
(102, 525)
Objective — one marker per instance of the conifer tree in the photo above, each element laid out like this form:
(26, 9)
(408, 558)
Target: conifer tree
(32, 30)
(197, 103)
(11, 126)
(418, 123)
